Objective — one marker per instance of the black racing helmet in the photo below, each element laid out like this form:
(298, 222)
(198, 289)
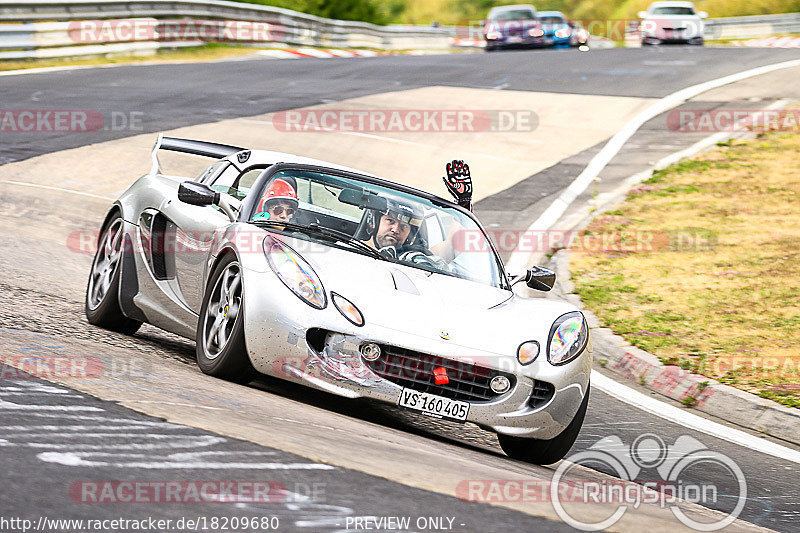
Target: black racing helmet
(403, 211)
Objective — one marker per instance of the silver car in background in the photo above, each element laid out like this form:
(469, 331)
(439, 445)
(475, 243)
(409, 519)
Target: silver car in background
(672, 22)
(311, 302)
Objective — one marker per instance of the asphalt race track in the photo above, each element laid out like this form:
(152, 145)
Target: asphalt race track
(342, 461)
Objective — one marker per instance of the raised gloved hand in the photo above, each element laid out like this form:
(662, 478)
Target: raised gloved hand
(459, 183)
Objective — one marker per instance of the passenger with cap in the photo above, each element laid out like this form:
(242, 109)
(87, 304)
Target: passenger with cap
(278, 203)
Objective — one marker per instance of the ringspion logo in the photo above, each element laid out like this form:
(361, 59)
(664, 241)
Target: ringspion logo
(649, 453)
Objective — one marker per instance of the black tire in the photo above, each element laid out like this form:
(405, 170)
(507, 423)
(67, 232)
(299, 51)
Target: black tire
(226, 359)
(101, 304)
(546, 452)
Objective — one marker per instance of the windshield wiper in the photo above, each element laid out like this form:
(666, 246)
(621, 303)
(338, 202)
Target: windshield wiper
(346, 237)
(316, 229)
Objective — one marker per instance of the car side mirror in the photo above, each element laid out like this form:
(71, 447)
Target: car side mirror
(537, 278)
(191, 192)
(702, 15)
(642, 14)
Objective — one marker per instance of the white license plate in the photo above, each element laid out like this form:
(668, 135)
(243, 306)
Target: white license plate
(433, 405)
(515, 39)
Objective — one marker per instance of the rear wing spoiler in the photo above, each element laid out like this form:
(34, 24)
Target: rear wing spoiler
(189, 146)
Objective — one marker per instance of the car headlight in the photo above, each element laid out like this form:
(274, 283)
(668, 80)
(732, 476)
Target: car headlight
(348, 310)
(535, 32)
(528, 352)
(568, 337)
(492, 35)
(295, 273)
(563, 33)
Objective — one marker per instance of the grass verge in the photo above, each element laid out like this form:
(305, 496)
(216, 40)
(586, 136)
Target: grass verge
(701, 266)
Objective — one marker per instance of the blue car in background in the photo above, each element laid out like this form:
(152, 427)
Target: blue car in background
(556, 27)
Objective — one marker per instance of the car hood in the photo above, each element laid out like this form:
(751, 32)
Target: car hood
(430, 305)
(511, 27)
(672, 20)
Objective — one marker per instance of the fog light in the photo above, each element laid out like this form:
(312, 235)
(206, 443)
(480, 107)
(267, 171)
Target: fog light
(500, 384)
(370, 351)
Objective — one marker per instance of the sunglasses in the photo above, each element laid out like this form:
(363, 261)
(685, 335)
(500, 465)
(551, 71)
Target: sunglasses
(278, 211)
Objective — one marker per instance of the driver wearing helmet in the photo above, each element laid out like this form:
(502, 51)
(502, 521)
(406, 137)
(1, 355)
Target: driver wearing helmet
(278, 203)
(395, 231)
(393, 228)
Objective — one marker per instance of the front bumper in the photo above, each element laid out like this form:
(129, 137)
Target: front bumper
(652, 39)
(277, 326)
(519, 42)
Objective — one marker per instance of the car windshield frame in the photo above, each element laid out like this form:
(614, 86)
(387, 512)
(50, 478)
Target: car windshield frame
(512, 14)
(684, 11)
(249, 205)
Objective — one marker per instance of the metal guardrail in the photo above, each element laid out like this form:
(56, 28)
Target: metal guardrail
(24, 32)
(752, 26)
(748, 27)
(44, 28)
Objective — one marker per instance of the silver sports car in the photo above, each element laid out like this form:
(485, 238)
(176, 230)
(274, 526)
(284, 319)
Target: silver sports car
(342, 281)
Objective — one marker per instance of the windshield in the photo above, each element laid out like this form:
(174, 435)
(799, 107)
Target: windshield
(551, 20)
(405, 228)
(673, 10)
(518, 14)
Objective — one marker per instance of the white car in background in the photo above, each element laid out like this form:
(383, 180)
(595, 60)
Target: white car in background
(672, 22)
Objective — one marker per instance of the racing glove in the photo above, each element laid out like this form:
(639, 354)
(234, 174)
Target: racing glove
(459, 183)
(389, 251)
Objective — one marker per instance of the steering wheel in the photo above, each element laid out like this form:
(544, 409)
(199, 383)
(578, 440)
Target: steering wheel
(425, 257)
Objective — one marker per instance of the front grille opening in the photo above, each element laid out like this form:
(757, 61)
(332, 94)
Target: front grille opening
(315, 338)
(542, 393)
(415, 370)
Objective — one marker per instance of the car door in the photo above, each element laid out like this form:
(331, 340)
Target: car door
(191, 233)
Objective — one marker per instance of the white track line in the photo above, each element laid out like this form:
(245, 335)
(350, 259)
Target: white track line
(59, 189)
(519, 259)
(518, 262)
(72, 459)
(606, 199)
(690, 420)
(41, 70)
